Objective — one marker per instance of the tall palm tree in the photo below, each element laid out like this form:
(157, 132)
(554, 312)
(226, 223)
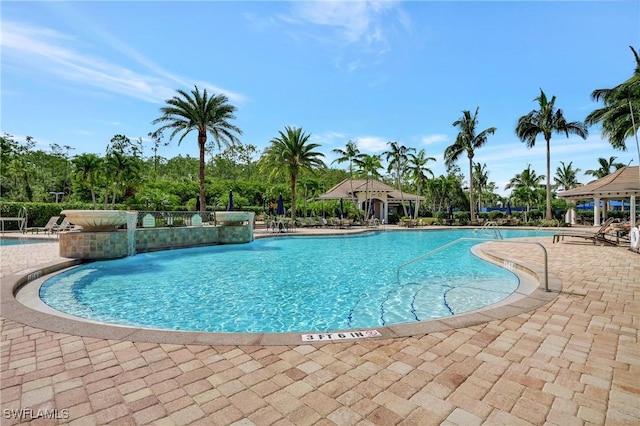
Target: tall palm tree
(467, 141)
(566, 176)
(621, 112)
(351, 153)
(418, 168)
(605, 167)
(87, 167)
(369, 166)
(547, 120)
(397, 162)
(480, 179)
(205, 114)
(292, 153)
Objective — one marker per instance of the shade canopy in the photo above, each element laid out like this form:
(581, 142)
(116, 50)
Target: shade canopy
(623, 183)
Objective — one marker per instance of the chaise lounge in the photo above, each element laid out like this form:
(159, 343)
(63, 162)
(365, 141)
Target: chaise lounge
(598, 235)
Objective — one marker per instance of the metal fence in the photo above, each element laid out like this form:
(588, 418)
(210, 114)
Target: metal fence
(151, 219)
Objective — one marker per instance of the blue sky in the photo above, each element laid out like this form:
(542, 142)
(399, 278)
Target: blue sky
(78, 73)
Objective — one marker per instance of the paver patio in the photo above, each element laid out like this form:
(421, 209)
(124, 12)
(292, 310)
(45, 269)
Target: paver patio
(574, 361)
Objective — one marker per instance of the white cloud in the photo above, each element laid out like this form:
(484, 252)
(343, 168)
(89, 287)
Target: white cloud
(433, 139)
(39, 49)
(371, 144)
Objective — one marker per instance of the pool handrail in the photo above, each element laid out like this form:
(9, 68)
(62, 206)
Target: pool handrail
(445, 246)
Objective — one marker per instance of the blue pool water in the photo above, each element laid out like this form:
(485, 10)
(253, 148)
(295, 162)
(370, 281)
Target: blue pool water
(287, 284)
(19, 241)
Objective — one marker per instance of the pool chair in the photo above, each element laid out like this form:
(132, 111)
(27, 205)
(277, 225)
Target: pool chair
(598, 235)
(48, 228)
(65, 225)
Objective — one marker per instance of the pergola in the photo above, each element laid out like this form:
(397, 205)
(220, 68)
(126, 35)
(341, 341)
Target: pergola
(382, 196)
(622, 184)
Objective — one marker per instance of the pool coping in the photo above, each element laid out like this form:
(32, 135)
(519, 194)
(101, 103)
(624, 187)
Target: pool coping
(529, 295)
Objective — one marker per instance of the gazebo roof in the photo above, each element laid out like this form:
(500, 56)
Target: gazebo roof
(343, 190)
(622, 183)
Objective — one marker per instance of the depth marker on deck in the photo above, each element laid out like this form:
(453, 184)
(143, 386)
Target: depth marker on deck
(346, 335)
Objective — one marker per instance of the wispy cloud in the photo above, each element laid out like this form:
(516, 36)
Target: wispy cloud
(37, 50)
(433, 139)
(362, 25)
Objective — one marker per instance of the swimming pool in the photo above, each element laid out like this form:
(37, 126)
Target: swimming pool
(19, 241)
(290, 284)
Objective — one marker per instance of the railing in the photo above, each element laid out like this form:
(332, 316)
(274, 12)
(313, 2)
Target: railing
(173, 219)
(492, 227)
(439, 249)
(21, 220)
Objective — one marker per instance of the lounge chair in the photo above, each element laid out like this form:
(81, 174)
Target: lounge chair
(49, 227)
(598, 235)
(65, 225)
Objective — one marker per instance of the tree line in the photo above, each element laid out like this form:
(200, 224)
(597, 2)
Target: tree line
(293, 166)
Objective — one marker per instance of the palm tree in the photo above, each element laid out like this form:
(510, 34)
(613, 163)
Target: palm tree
(525, 186)
(369, 165)
(546, 121)
(467, 141)
(480, 179)
(291, 153)
(417, 165)
(87, 167)
(351, 153)
(566, 176)
(621, 112)
(397, 161)
(605, 167)
(197, 111)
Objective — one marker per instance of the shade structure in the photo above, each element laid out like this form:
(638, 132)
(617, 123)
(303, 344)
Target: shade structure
(341, 208)
(280, 205)
(622, 184)
(230, 204)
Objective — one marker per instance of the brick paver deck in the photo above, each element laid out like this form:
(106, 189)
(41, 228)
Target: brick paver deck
(574, 361)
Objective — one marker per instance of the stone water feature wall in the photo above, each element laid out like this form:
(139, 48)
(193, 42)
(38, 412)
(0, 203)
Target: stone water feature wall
(94, 245)
(114, 245)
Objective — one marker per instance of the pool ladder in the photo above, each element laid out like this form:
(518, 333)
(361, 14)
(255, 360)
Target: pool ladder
(491, 228)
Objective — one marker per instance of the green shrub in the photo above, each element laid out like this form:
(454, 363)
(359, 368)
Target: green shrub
(496, 214)
(441, 215)
(463, 217)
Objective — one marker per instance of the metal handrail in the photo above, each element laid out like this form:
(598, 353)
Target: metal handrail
(439, 249)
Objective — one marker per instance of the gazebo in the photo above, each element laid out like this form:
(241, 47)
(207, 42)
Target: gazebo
(383, 197)
(622, 184)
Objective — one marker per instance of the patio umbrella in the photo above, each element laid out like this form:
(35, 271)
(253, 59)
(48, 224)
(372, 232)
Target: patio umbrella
(341, 208)
(410, 209)
(230, 205)
(508, 208)
(372, 208)
(198, 203)
(280, 205)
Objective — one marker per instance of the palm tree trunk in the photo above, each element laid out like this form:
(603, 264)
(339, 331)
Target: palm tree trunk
(471, 200)
(293, 196)
(404, 208)
(202, 140)
(353, 196)
(548, 214)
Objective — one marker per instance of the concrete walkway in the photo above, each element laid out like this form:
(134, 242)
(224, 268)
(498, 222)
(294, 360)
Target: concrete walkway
(574, 361)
